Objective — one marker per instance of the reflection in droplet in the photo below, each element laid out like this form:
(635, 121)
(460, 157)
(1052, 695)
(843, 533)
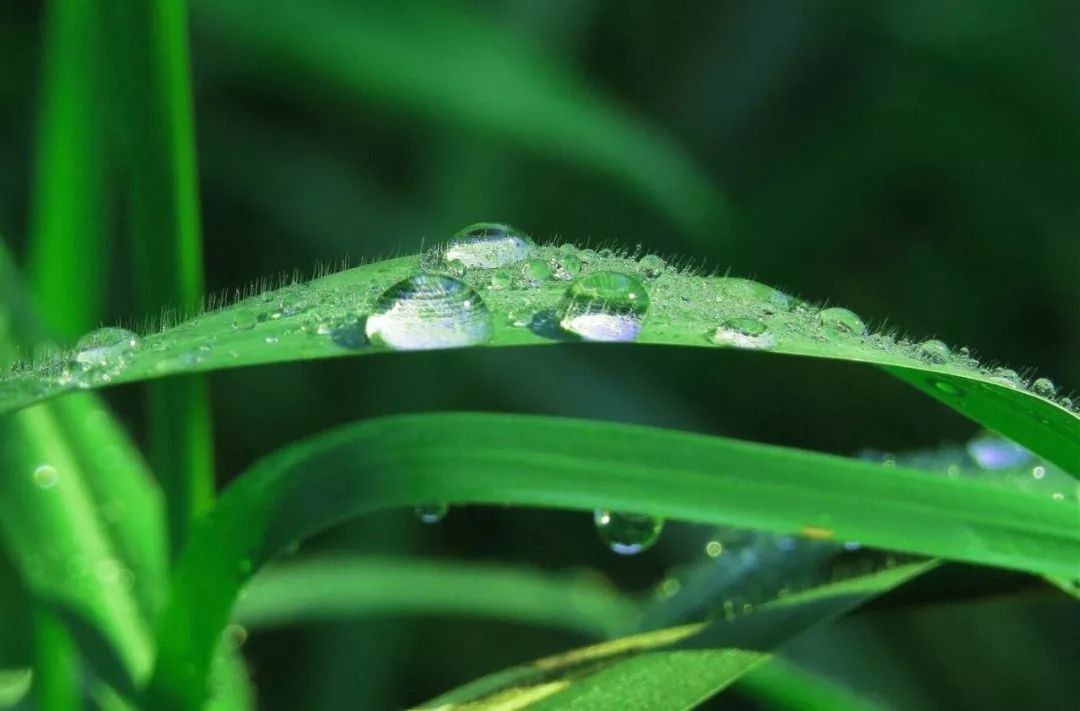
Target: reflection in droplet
(429, 311)
(604, 306)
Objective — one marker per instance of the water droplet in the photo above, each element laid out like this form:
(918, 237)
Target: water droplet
(501, 279)
(429, 311)
(1044, 387)
(519, 317)
(604, 306)
(1008, 376)
(842, 322)
(46, 476)
(714, 549)
(271, 340)
(627, 533)
(934, 351)
(1067, 403)
(488, 245)
(743, 333)
(104, 346)
(588, 255)
(244, 320)
(991, 452)
(536, 270)
(569, 266)
(652, 265)
(754, 292)
(432, 513)
(456, 267)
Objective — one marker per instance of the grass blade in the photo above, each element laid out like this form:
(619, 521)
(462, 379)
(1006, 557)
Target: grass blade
(324, 318)
(783, 685)
(674, 668)
(330, 589)
(540, 461)
(152, 84)
(485, 79)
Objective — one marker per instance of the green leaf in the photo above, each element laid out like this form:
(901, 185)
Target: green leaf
(329, 589)
(325, 318)
(147, 47)
(485, 79)
(783, 685)
(674, 668)
(411, 460)
(14, 686)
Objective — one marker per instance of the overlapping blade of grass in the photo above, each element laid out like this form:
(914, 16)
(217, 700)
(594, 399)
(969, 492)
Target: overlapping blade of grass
(14, 686)
(411, 460)
(670, 669)
(150, 79)
(325, 318)
(339, 588)
(484, 78)
(331, 589)
(69, 239)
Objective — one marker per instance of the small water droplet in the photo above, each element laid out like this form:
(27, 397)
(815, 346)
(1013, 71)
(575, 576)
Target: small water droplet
(754, 292)
(652, 265)
(244, 320)
(714, 549)
(946, 387)
(428, 311)
(841, 322)
(536, 270)
(569, 266)
(627, 533)
(431, 513)
(604, 306)
(588, 255)
(1007, 376)
(456, 267)
(501, 279)
(488, 245)
(1044, 387)
(743, 333)
(271, 340)
(934, 351)
(46, 476)
(104, 346)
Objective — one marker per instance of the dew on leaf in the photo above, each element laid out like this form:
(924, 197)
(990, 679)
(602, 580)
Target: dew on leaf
(842, 322)
(604, 306)
(488, 245)
(652, 265)
(428, 311)
(45, 476)
(536, 270)
(569, 266)
(627, 533)
(934, 351)
(104, 346)
(431, 513)
(1044, 387)
(744, 333)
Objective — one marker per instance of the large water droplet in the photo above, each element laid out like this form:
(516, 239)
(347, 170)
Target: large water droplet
(431, 513)
(429, 311)
(934, 351)
(104, 346)
(748, 290)
(1007, 376)
(840, 321)
(536, 270)
(604, 306)
(652, 265)
(627, 533)
(489, 245)
(743, 333)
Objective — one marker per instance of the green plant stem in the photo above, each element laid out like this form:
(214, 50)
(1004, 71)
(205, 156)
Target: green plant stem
(56, 664)
(151, 68)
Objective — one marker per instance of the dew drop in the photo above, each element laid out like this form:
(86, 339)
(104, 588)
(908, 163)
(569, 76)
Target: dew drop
(104, 346)
(934, 351)
(842, 322)
(1044, 387)
(46, 476)
(489, 245)
(588, 255)
(652, 265)
(501, 279)
(569, 266)
(1008, 376)
(604, 306)
(754, 292)
(456, 267)
(993, 453)
(431, 513)
(946, 387)
(743, 333)
(536, 270)
(429, 311)
(244, 320)
(627, 533)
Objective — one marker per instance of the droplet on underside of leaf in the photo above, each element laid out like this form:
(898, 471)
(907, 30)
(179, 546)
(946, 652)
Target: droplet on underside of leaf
(431, 513)
(428, 311)
(604, 306)
(489, 245)
(627, 533)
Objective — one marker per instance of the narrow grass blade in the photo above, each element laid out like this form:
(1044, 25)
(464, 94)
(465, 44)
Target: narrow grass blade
(57, 664)
(15, 684)
(485, 79)
(326, 317)
(69, 240)
(330, 589)
(783, 686)
(152, 85)
(670, 669)
(412, 460)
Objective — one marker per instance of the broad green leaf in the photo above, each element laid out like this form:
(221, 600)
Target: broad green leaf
(329, 589)
(670, 669)
(413, 460)
(485, 78)
(326, 318)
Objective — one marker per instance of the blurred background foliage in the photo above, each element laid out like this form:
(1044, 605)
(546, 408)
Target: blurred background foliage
(915, 161)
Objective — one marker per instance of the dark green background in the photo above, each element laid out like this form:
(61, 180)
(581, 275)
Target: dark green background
(918, 162)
